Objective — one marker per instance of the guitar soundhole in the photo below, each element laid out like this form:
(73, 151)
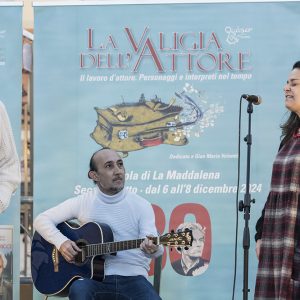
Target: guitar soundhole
(81, 258)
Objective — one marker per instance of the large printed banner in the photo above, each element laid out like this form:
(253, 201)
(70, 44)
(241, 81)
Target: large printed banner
(161, 84)
(10, 95)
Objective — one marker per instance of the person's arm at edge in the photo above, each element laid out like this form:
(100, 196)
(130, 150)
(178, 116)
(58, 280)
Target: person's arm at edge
(260, 222)
(10, 175)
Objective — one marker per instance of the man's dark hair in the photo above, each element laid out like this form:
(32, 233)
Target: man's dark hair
(296, 65)
(93, 166)
(92, 161)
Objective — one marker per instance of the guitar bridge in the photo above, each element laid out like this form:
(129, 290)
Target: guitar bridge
(55, 259)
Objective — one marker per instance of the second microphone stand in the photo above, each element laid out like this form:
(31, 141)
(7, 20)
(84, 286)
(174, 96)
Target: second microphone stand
(246, 205)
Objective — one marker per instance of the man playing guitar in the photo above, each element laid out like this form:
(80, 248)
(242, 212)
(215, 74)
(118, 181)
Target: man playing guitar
(128, 215)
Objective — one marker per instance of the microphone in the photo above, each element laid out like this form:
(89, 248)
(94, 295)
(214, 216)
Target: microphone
(255, 99)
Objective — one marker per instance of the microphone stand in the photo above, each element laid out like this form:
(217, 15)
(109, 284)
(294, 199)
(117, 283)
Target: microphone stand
(245, 206)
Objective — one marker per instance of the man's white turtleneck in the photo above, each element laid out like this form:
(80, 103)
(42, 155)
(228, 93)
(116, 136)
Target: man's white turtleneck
(128, 215)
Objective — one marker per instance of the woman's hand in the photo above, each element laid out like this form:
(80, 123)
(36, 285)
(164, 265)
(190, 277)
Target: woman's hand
(257, 248)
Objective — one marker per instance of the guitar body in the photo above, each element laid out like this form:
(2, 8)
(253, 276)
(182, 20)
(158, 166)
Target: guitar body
(52, 274)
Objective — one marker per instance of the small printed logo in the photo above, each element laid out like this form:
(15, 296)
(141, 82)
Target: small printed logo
(235, 34)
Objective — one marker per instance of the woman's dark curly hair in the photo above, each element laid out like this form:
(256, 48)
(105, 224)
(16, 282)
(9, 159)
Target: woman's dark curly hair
(293, 122)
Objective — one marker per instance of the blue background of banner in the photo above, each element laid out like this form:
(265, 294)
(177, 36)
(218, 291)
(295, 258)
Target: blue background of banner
(65, 115)
(11, 89)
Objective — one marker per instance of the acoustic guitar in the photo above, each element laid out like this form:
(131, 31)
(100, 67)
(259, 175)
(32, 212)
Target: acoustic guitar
(53, 275)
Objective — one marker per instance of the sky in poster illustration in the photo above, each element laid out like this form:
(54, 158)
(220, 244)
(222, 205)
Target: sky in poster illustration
(162, 85)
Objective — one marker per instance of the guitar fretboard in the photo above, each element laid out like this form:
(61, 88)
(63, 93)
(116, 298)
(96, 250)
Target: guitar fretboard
(106, 248)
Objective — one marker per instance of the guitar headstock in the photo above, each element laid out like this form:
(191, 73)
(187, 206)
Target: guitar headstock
(177, 239)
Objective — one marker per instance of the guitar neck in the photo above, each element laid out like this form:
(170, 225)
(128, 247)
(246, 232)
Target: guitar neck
(112, 247)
